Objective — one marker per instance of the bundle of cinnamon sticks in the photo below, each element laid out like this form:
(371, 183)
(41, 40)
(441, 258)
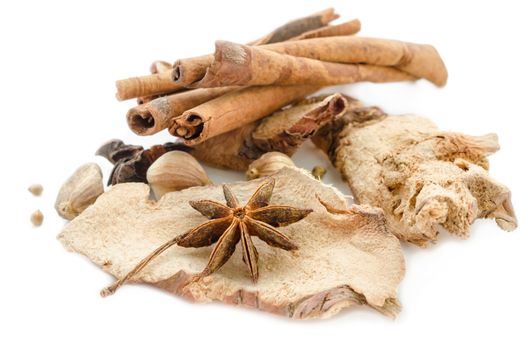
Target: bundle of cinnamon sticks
(202, 97)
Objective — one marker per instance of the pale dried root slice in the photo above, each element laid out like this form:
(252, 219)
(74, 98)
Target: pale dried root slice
(283, 131)
(346, 259)
(422, 178)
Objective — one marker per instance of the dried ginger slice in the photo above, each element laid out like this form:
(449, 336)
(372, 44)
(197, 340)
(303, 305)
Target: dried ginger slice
(422, 178)
(343, 260)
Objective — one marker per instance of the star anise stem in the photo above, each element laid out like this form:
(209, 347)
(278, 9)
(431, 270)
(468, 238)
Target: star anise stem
(228, 225)
(111, 289)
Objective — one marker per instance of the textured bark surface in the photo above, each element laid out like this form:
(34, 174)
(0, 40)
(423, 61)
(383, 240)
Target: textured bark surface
(156, 115)
(242, 65)
(283, 131)
(344, 259)
(189, 70)
(421, 177)
(346, 28)
(298, 26)
(233, 110)
(419, 60)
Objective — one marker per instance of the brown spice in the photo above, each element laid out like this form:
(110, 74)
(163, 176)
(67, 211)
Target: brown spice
(283, 131)
(162, 81)
(243, 65)
(229, 225)
(131, 162)
(233, 110)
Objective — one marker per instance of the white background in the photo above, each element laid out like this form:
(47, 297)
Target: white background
(58, 64)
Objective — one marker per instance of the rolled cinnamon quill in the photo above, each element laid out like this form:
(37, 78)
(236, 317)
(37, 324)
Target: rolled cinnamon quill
(244, 65)
(283, 131)
(146, 85)
(156, 115)
(234, 109)
(346, 28)
(298, 26)
(163, 82)
(155, 68)
(420, 60)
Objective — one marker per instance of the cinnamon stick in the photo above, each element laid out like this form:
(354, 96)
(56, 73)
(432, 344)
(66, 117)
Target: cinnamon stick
(234, 109)
(188, 70)
(422, 61)
(156, 115)
(346, 28)
(297, 27)
(163, 82)
(283, 131)
(146, 85)
(244, 65)
(155, 68)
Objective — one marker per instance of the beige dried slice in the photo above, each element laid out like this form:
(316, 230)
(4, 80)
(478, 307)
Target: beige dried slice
(421, 177)
(343, 260)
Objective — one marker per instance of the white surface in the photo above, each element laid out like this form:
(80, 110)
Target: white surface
(58, 65)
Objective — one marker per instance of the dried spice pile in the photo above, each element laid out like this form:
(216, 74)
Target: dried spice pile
(282, 241)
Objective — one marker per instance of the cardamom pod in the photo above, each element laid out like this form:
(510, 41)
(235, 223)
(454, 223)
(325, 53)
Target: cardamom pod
(79, 191)
(268, 164)
(174, 171)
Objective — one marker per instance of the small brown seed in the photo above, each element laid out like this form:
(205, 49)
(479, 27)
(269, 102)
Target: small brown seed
(36, 218)
(36, 189)
(318, 172)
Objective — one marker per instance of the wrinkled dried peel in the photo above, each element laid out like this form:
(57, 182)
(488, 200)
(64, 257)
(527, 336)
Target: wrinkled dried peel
(343, 259)
(422, 178)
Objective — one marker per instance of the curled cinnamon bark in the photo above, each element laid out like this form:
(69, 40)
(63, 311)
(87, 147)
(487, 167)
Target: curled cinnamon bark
(156, 115)
(146, 85)
(298, 26)
(346, 28)
(243, 65)
(283, 131)
(420, 60)
(163, 82)
(230, 111)
(189, 70)
(155, 68)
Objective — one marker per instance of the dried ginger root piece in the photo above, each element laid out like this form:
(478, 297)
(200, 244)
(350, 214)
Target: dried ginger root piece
(422, 178)
(345, 259)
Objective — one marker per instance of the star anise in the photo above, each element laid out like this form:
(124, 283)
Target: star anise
(229, 225)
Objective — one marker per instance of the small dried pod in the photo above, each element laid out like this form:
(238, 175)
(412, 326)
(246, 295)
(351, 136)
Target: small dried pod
(79, 191)
(318, 172)
(37, 218)
(268, 164)
(36, 189)
(174, 171)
